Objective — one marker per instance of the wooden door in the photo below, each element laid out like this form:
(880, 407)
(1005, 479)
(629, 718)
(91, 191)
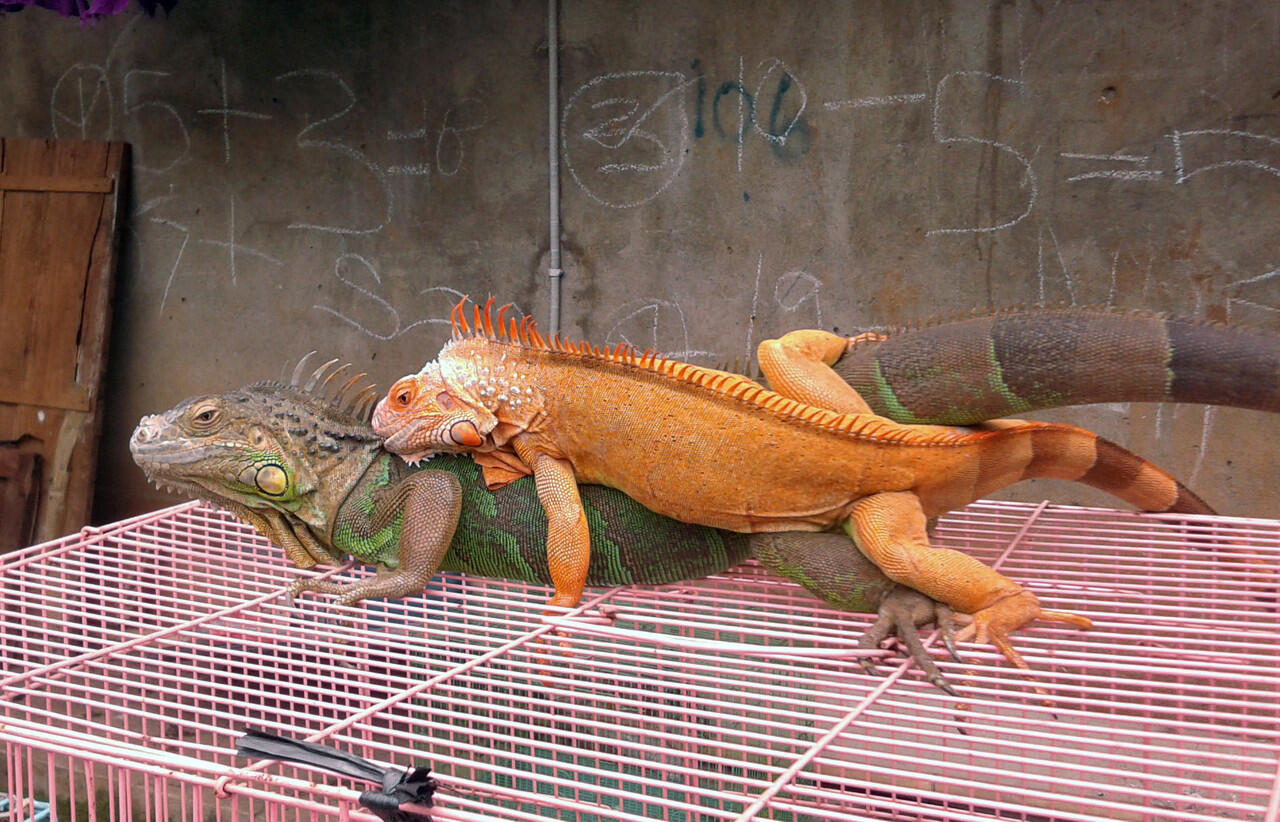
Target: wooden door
(58, 240)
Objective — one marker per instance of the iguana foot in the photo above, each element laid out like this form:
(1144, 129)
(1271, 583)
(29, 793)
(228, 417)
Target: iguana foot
(995, 622)
(903, 611)
(389, 586)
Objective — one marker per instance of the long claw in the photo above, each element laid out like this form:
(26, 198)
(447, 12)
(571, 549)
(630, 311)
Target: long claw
(994, 623)
(947, 627)
(902, 611)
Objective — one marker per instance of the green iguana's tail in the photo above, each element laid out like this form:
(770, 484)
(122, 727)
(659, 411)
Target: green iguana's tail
(1009, 363)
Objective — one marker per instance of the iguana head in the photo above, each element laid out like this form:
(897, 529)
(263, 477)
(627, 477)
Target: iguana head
(268, 445)
(223, 446)
(424, 414)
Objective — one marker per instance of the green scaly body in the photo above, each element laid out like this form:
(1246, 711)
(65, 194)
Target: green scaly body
(503, 533)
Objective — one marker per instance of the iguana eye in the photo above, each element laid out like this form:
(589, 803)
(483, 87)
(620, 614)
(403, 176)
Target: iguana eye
(204, 417)
(401, 395)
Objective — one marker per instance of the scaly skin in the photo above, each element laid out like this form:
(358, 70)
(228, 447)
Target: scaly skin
(1013, 362)
(310, 476)
(717, 449)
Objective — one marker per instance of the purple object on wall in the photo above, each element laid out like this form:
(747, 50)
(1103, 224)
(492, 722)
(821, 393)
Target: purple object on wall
(87, 9)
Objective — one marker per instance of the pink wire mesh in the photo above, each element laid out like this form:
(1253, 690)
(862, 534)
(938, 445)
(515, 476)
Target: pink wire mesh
(134, 655)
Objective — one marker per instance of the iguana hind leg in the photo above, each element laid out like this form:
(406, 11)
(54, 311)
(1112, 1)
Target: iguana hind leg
(429, 504)
(835, 572)
(889, 528)
(798, 365)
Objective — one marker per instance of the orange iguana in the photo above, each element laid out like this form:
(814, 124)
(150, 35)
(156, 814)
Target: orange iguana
(715, 448)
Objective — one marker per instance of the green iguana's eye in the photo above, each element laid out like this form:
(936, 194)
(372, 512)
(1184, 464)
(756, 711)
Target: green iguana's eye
(205, 416)
(271, 479)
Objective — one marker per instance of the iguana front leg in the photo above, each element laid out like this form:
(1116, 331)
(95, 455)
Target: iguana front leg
(428, 505)
(889, 528)
(568, 539)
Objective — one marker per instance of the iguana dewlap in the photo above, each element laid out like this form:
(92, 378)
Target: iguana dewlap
(717, 449)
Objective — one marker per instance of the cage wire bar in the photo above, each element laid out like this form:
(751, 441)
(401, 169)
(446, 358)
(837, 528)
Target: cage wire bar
(135, 654)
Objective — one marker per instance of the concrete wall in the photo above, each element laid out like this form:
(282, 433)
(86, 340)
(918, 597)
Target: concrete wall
(332, 175)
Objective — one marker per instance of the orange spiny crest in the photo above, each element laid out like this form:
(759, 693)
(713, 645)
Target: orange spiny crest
(459, 319)
(488, 321)
(525, 331)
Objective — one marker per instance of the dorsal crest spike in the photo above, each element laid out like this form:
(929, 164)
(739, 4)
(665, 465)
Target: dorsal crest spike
(324, 386)
(315, 375)
(296, 378)
(502, 326)
(344, 396)
(488, 319)
(460, 326)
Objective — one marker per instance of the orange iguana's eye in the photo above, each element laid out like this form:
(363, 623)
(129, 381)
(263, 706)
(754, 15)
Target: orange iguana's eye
(444, 401)
(401, 395)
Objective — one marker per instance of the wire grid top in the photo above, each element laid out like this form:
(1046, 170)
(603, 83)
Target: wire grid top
(155, 642)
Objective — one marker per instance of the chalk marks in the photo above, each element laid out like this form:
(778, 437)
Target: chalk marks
(343, 102)
(795, 289)
(233, 246)
(81, 105)
(448, 149)
(1195, 151)
(1041, 274)
(350, 269)
(147, 156)
(944, 135)
(1208, 149)
(1120, 167)
(177, 258)
(876, 102)
(625, 136)
(779, 84)
(361, 303)
(654, 324)
(1250, 286)
(661, 324)
(226, 113)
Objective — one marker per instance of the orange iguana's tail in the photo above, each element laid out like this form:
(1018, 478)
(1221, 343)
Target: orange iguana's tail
(1018, 450)
(1067, 452)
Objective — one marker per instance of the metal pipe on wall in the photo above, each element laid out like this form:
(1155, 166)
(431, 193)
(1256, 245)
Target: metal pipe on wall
(554, 273)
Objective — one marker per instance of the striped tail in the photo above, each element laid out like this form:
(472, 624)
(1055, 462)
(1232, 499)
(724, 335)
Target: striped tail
(1067, 452)
(1012, 362)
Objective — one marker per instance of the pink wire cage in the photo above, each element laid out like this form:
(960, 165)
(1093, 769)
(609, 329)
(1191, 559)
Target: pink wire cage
(135, 654)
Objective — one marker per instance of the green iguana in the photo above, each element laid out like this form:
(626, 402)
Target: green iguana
(308, 473)
(718, 449)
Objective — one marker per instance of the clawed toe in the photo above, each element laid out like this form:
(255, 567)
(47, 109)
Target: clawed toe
(902, 612)
(996, 622)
